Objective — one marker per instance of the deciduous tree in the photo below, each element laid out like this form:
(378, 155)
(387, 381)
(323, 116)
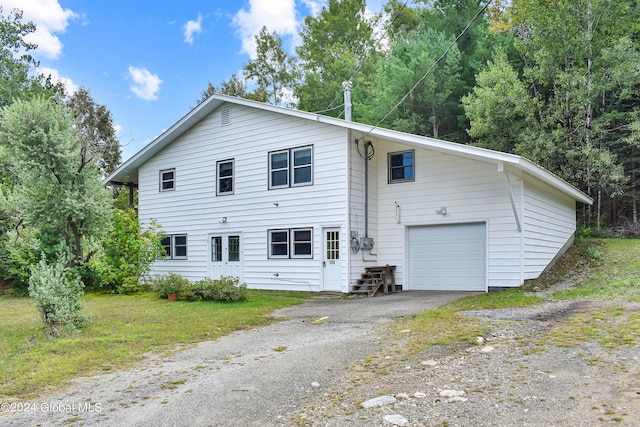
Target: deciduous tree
(273, 69)
(336, 43)
(58, 180)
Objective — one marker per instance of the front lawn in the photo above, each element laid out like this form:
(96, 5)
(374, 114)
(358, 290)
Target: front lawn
(120, 331)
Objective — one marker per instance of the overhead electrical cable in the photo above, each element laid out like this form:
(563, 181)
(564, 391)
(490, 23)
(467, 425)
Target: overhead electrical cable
(480, 12)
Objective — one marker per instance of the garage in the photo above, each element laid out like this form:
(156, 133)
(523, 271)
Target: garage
(448, 257)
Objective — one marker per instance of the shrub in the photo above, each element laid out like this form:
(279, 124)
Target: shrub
(222, 289)
(171, 283)
(129, 252)
(56, 292)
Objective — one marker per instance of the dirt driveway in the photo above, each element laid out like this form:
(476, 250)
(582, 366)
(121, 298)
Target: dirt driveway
(251, 378)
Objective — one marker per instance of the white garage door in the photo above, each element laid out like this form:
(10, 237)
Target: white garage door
(448, 257)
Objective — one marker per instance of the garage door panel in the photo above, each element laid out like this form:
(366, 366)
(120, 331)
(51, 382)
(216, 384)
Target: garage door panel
(448, 257)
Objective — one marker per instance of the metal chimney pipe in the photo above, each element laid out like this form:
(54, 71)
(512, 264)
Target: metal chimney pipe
(346, 87)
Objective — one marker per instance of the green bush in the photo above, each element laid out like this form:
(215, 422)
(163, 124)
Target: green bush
(56, 292)
(171, 283)
(222, 289)
(225, 289)
(129, 252)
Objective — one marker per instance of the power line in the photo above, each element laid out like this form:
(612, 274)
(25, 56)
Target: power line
(480, 12)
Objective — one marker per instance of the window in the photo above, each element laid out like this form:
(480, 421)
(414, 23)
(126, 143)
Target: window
(279, 244)
(290, 168)
(216, 249)
(225, 177)
(175, 245)
(301, 243)
(167, 180)
(232, 249)
(401, 166)
(301, 166)
(291, 243)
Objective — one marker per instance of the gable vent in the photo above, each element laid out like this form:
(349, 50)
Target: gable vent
(225, 116)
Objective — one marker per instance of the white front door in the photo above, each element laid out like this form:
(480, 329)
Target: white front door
(332, 260)
(225, 255)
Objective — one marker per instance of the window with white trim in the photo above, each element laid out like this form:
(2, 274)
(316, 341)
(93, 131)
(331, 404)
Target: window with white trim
(291, 243)
(291, 168)
(175, 246)
(401, 166)
(167, 180)
(225, 177)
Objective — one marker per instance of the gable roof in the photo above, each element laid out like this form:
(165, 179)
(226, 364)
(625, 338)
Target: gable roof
(128, 171)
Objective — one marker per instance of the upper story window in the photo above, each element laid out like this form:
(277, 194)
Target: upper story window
(225, 177)
(290, 168)
(167, 180)
(401, 166)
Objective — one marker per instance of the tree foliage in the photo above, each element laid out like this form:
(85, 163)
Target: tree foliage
(58, 181)
(15, 60)
(336, 43)
(431, 106)
(500, 110)
(97, 133)
(273, 69)
(129, 251)
(234, 86)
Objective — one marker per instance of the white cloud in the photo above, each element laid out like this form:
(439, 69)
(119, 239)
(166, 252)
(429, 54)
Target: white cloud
(69, 85)
(146, 85)
(276, 15)
(50, 19)
(314, 6)
(191, 28)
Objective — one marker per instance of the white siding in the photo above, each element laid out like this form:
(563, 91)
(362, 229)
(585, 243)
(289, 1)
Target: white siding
(550, 221)
(193, 208)
(362, 259)
(472, 191)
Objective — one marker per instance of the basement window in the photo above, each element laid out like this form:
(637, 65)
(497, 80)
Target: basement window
(401, 166)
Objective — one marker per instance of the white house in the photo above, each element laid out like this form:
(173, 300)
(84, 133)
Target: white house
(291, 200)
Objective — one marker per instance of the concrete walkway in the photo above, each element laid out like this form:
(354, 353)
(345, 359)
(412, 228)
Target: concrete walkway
(250, 378)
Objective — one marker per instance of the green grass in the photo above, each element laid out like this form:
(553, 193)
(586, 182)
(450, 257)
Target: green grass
(615, 272)
(444, 325)
(120, 331)
(614, 275)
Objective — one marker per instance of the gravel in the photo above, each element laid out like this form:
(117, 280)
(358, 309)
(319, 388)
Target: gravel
(316, 369)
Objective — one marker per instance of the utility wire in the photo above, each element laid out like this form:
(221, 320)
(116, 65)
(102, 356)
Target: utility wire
(385, 33)
(480, 12)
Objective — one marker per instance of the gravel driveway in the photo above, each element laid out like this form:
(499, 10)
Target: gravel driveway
(261, 377)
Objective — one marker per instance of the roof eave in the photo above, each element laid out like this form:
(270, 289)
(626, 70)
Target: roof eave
(128, 171)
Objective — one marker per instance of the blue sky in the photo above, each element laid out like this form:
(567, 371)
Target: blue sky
(148, 61)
